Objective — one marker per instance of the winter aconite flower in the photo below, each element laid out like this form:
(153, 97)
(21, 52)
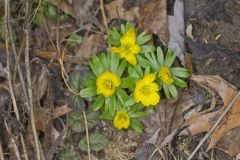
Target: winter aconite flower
(146, 91)
(165, 75)
(128, 48)
(121, 120)
(107, 82)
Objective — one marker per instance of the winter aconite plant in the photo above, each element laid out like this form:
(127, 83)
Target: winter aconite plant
(126, 83)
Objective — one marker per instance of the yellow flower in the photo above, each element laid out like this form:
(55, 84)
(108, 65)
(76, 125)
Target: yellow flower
(121, 120)
(128, 48)
(146, 91)
(165, 75)
(107, 83)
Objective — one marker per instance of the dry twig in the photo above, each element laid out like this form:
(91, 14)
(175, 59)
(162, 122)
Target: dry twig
(29, 88)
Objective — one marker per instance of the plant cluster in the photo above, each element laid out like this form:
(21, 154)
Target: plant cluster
(126, 83)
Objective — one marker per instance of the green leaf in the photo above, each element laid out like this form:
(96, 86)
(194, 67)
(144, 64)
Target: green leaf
(89, 83)
(137, 126)
(180, 72)
(114, 62)
(103, 59)
(147, 48)
(64, 17)
(88, 92)
(106, 116)
(170, 57)
(51, 11)
(97, 142)
(68, 155)
(147, 70)
(139, 70)
(132, 72)
(138, 114)
(130, 102)
(173, 90)
(94, 68)
(127, 82)
(142, 62)
(143, 38)
(166, 91)
(76, 120)
(122, 95)
(74, 40)
(179, 82)
(98, 64)
(110, 104)
(114, 37)
(98, 103)
(160, 56)
(136, 108)
(121, 67)
(155, 62)
(38, 19)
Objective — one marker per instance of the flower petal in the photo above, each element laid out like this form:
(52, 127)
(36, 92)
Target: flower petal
(116, 49)
(135, 49)
(155, 98)
(154, 87)
(131, 59)
(149, 78)
(129, 37)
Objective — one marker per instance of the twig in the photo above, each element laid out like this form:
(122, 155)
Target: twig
(17, 67)
(9, 77)
(103, 14)
(12, 140)
(87, 135)
(214, 127)
(29, 88)
(1, 152)
(67, 58)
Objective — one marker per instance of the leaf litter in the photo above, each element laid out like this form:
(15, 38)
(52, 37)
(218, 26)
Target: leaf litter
(193, 113)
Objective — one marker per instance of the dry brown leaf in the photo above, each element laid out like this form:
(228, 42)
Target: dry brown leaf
(64, 6)
(115, 10)
(230, 142)
(203, 122)
(91, 45)
(153, 18)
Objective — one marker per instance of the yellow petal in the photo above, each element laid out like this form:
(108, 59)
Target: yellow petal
(154, 87)
(149, 78)
(155, 98)
(137, 96)
(129, 37)
(135, 49)
(131, 59)
(146, 101)
(127, 123)
(116, 49)
(116, 80)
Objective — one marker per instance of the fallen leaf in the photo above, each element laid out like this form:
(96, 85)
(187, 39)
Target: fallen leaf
(230, 142)
(64, 6)
(116, 10)
(202, 122)
(153, 18)
(176, 31)
(189, 32)
(91, 45)
(238, 156)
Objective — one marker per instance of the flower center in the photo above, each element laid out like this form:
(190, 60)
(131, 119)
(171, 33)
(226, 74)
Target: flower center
(127, 48)
(108, 84)
(146, 90)
(165, 75)
(122, 117)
